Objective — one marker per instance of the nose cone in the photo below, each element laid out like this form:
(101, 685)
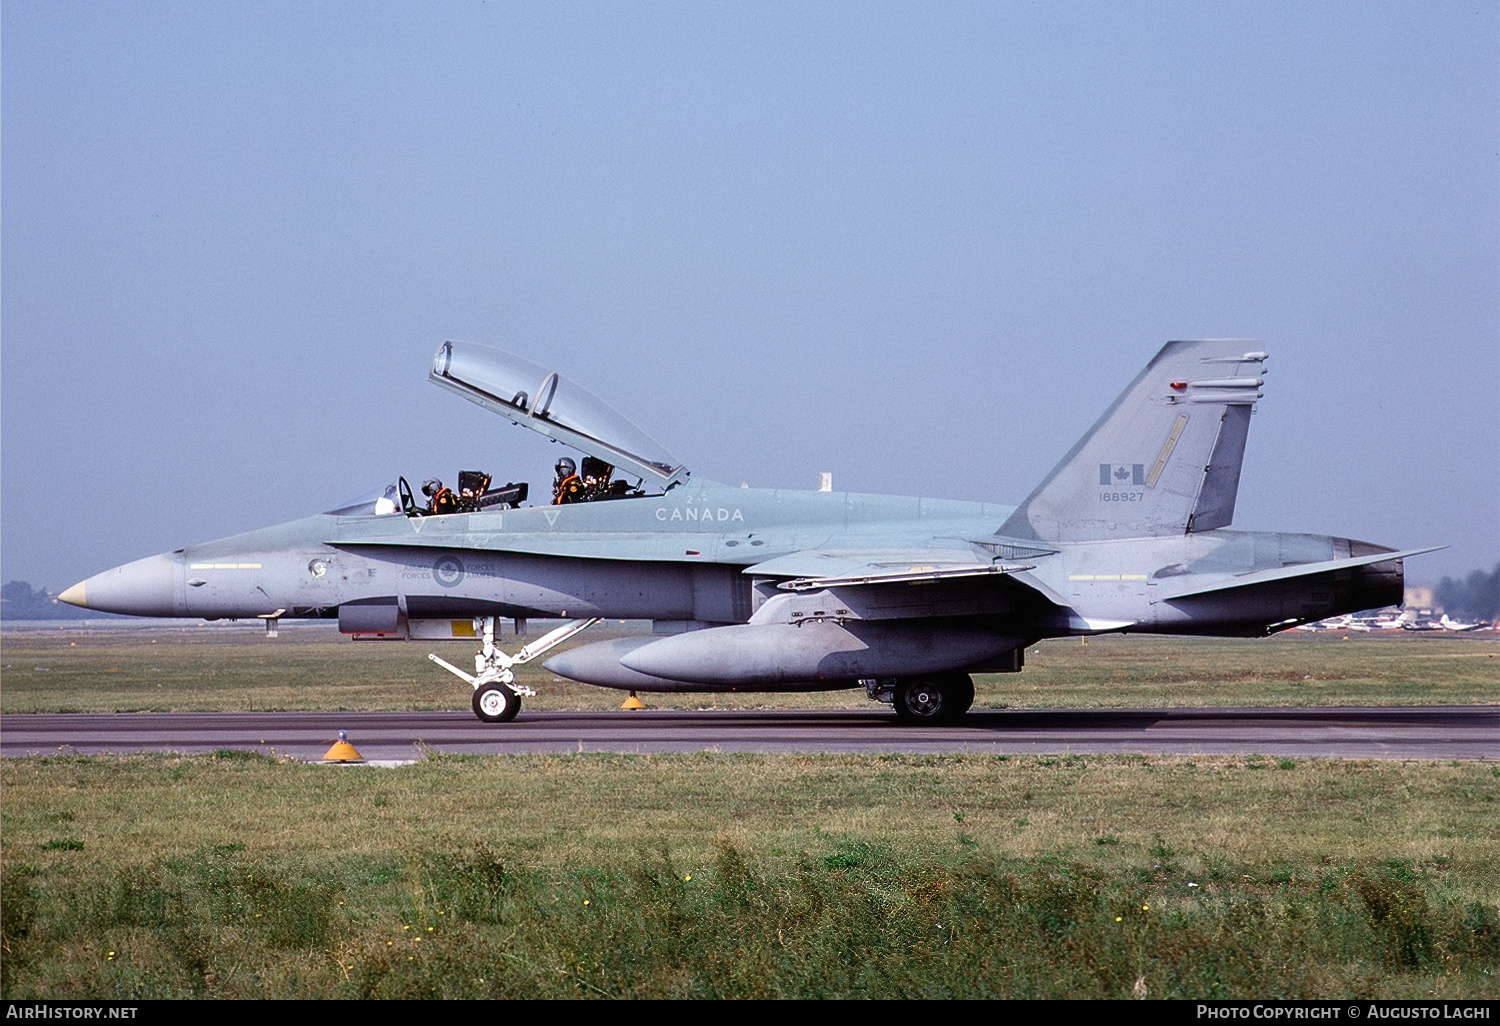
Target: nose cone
(143, 588)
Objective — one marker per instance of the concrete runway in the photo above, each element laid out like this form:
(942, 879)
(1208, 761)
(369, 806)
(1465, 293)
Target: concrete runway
(1404, 732)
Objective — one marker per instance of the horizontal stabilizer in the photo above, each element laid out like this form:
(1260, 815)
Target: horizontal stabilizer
(1296, 570)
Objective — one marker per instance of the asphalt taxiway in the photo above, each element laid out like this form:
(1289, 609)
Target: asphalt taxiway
(1404, 732)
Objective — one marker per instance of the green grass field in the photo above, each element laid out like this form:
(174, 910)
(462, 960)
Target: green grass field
(235, 875)
(750, 876)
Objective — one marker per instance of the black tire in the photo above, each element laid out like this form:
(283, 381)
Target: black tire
(941, 698)
(496, 703)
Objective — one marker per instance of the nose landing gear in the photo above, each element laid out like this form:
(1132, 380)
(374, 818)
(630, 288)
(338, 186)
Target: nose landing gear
(497, 696)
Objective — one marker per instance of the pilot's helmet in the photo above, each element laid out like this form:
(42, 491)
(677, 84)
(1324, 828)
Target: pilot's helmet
(566, 467)
(431, 486)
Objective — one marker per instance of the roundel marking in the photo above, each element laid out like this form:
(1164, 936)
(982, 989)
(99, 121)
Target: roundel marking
(448, 571)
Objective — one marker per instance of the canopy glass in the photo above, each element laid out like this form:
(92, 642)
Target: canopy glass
(547, 402)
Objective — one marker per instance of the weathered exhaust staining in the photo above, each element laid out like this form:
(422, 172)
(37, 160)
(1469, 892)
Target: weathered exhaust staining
(755, 589)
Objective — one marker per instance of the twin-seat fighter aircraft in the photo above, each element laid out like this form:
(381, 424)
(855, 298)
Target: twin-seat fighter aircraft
(771, 590)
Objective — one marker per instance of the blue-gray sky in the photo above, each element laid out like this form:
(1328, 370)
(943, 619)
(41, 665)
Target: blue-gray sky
(921, 246)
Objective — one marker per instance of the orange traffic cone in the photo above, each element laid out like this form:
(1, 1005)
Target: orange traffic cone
(343, 751)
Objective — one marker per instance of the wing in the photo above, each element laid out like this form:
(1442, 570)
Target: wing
(812, 569)
(836, 616)
(881, 584)
(922, 584)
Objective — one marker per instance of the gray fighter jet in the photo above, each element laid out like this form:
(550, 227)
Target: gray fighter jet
(771, 590)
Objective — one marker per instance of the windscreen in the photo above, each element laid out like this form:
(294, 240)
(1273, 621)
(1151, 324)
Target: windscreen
(375, 502)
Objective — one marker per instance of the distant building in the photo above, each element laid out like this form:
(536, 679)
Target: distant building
(1417, 598)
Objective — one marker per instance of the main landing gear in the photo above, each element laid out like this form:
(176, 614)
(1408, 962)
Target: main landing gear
(497, 696)
(940, 698)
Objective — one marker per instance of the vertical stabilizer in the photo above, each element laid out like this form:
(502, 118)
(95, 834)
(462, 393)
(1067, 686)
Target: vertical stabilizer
(1165, 457)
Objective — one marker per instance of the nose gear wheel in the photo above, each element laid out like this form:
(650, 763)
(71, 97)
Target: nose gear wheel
(496, 703)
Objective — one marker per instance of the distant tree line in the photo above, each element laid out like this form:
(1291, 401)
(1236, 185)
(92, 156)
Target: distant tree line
(19, 602)
(1476, 597)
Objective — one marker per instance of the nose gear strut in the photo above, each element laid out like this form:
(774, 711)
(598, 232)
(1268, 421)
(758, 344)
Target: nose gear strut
(497, 696)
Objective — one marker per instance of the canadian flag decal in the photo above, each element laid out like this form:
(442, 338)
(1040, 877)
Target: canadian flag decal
(1118, 474)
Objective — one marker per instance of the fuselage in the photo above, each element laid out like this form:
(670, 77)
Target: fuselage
(682, 556)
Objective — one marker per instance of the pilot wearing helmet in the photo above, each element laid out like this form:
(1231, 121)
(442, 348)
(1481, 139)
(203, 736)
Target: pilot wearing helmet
(568, 487)
(440, 498)
(596, 474)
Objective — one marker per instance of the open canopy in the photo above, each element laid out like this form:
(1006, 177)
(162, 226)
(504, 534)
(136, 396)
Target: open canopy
(545, 401)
